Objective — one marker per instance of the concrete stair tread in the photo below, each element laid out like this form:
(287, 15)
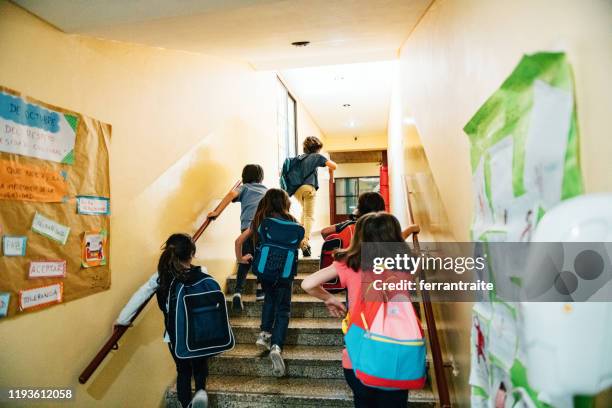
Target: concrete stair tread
(326, 389)
(295, 298)
(250, 276)
(294, 323)
(290, 352)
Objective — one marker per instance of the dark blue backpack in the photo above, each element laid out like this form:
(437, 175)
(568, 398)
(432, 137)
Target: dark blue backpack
(197, 315)
(276, 252)
(291, 175)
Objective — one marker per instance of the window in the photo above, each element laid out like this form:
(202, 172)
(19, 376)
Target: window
(287, 124)
(348, 190)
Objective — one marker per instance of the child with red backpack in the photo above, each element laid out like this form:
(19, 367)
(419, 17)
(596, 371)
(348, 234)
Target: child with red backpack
(385, 326)
(277, 237)
(338, 236)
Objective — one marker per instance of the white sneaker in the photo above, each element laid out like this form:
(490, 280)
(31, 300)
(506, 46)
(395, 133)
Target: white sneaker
(200, 400)
(263, 340)
(278, 364)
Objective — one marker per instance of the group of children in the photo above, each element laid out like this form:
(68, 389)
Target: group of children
(259, 204)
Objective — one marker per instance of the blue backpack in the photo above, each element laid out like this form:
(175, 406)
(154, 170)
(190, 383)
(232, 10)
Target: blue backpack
(276, 252)
(198, 321)
(291, 175)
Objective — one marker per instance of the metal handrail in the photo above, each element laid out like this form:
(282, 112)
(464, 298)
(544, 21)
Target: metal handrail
(434, 341)
(119, 330)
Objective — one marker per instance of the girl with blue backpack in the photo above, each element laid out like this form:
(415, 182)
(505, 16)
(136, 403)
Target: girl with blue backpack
(385, 350)
(277, 236)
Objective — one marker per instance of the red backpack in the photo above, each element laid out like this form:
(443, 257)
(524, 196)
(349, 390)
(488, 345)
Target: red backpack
(339, 240)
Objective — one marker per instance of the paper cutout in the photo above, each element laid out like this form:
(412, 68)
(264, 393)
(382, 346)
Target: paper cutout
(93, 249)
(546, 143)
(50, 229)
(92, 205)
(31, 183)
(479, 373)
(47, 269)
(41, 296)
(14, 245)
(503, 336)
(500, 163)
(5, 299)
(29, 129)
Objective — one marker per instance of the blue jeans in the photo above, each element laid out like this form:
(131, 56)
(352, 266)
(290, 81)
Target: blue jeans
(276, 310)
(243, 269)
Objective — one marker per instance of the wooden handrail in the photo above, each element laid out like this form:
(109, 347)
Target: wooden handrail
(434, 341)
(119, 330)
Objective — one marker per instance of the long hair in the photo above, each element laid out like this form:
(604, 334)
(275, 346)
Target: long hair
(179, 248)
(275, 203)
(379, 227)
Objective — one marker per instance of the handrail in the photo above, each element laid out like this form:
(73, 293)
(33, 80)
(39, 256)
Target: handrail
(434, 341)
(118, 330)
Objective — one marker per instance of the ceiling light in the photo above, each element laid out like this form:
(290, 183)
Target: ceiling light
(347, 105)
(300, 43)
(352, 123)
(338, 78)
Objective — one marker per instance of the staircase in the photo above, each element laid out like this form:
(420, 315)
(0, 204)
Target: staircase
(242, 377)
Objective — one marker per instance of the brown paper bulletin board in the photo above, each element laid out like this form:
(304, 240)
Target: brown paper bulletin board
(87, 176)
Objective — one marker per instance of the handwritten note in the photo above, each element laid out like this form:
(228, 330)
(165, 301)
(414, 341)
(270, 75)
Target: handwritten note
(31, 183)
(50, 229)
(90, 205)
(14, 246)
(5, 299)
(41, 296)
(47, 269)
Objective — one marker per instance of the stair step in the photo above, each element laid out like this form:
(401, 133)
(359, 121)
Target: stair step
(270, 392)
(251, 283)
(302, 306)
(308, 265)
(301, 362)
(302, 331)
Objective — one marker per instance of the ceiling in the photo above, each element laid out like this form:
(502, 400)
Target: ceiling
(324, 91)
(255, 31)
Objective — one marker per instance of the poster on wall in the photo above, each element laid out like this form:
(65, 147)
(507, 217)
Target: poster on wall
(49, 157)
(30, 129)
(93, 249)
(524, 158)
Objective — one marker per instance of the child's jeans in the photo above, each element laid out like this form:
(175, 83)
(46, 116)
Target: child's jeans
(243, 268)
(276, 311)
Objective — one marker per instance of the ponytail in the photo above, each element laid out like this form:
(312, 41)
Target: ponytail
(179, 248)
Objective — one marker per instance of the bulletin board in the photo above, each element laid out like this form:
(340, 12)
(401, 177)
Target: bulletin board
(525, 160)
(54, 205)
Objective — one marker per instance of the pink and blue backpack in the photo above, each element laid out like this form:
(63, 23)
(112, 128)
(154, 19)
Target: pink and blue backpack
(385, 342)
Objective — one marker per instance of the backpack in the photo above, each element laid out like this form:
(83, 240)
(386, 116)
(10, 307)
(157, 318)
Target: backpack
(333, 242)
(385, 343)
(198, 322)
(291, 174)
(276, 252)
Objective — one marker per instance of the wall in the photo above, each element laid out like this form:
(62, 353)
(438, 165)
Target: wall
(357, 170)
(457, 56)
(367, 142)
(183, 126)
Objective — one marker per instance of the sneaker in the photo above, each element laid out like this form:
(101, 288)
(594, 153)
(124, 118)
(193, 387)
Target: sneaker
(278, 365)
(200, 400)
(264, 340)
(306, 252)
(259, 294)
(237, 304)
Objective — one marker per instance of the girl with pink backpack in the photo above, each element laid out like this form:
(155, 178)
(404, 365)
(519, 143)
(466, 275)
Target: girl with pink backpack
(385, 347)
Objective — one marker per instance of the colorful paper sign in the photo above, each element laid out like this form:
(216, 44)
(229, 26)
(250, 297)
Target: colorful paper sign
(91, 205)
(14, 245)
(30, 129)
(93, 249)
(47, 269)
(41, 296)
(5, 299)
(50, 229)
(31, 183)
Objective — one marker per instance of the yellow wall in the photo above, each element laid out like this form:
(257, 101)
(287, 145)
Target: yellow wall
(183, 126)
(357, 170)
(458, 55)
